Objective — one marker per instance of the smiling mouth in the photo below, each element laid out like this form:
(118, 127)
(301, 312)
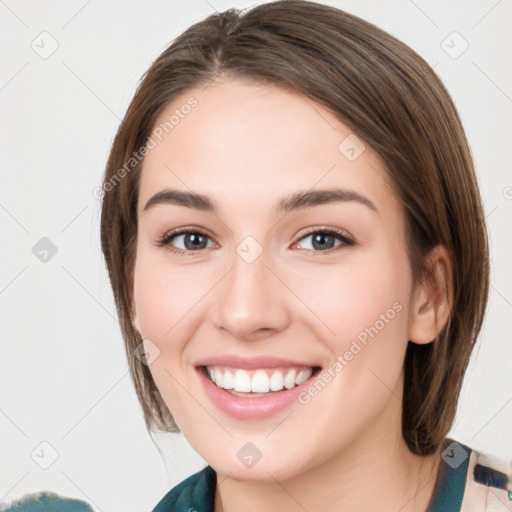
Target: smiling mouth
(258, 382)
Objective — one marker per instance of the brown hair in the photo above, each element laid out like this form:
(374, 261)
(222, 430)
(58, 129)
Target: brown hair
(390, 97)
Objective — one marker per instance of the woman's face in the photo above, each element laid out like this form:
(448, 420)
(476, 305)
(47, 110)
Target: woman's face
(290, 263)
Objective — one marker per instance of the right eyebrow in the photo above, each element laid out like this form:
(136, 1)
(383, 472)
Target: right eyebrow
(182, 198)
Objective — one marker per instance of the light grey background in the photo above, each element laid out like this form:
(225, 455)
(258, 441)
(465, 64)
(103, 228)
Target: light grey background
(63, 368)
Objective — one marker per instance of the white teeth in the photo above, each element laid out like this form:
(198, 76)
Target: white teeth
(303, 376)
(289, 380)
(242, 381)
(260, 382)
(218, 377)
(276, 381)
(229, 380)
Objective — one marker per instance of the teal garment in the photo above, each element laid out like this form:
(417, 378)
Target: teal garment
(194, 494)
(451, 483)
(46, 502)
(197, 492)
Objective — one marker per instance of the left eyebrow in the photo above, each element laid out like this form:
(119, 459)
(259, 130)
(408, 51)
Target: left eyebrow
(300, 200)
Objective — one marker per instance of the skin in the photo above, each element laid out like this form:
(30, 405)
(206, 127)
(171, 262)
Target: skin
(247, 146)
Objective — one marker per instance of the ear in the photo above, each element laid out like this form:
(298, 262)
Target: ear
(432, 299)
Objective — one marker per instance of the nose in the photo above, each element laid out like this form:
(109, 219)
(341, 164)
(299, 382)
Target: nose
(251, 302)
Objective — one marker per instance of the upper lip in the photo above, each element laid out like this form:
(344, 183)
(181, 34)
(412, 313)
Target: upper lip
(251, 363)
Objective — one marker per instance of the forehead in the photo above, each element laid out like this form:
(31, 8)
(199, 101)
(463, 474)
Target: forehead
(243, 142)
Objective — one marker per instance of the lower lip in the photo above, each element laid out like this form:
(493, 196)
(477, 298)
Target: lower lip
(244, 408)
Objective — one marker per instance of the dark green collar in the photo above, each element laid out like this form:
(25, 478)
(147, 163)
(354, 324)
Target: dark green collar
(451, 481)
(196, 493)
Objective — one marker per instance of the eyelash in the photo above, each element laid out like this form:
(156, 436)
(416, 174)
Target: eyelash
(346, 240)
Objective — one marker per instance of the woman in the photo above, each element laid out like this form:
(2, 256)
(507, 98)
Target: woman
(295, 240)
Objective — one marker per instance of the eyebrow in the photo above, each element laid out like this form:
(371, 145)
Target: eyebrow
(296, 201)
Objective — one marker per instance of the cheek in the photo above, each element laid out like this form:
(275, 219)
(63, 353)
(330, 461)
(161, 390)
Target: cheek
(163, 299)
(352, 300)
(365, 307)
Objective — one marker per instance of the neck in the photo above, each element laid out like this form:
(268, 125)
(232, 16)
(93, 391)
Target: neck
(377, 472)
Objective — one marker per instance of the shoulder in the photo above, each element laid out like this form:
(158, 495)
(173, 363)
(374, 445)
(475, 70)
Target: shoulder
(43, 502)
(195, 494)
(471, 481)
(488, 484)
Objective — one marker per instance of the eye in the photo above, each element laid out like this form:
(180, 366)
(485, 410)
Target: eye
(189, 240)
(324, 239)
